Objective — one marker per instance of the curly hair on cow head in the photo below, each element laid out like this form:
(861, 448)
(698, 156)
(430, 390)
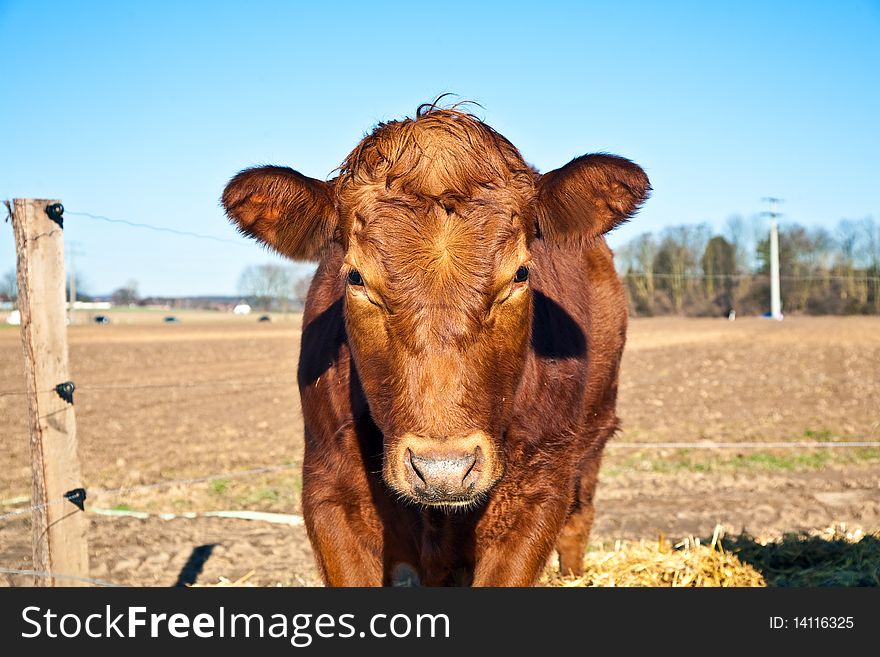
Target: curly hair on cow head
(424, 108)
(443, 151)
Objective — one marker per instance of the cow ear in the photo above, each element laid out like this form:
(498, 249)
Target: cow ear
(292, 213)
(588, 197)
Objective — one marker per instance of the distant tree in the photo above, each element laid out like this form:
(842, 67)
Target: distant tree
(9, 286)
(859, 255)
(719, 268)
(872, 258)
(636, 260)
(872, 243)
(741, 238)
(822, 249)
(125, 296)
(301, 289)
(677, 259)
(266, 286)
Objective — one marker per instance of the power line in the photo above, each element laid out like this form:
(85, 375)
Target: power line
(158, 229)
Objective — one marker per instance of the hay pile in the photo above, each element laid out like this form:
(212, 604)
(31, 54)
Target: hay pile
(660, 563)
(831, 557)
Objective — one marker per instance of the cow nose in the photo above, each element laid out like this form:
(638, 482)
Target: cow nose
(443, 476)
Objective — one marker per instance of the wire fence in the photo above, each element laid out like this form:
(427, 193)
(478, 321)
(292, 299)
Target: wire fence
(700, 276)
(158, 229)
(787, 444)
(702, 294)
(47, 575)
(154, 386)
(124, 490)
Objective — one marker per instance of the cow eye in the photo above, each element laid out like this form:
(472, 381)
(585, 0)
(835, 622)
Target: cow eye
(355, 278)
(522, 275)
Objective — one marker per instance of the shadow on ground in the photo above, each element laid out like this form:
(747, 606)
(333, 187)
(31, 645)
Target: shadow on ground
(193, 567)
(811, 561)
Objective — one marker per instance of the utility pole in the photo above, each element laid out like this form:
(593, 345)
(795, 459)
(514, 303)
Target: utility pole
(72, 314)
(73, 251)
(775, 295)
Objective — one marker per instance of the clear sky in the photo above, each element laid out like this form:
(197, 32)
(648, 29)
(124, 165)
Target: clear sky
(143, 110)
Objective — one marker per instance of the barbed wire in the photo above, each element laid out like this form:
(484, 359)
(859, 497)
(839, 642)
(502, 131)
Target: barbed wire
(13, 393)
(158, 229)
(149, 386)
(49, 575)
(800, 444)
(785, 444)
(122, 490)
(192, 384)
(35, 507)
(789, 277)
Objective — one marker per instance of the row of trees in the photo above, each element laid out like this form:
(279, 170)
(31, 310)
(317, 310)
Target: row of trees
(690, 270)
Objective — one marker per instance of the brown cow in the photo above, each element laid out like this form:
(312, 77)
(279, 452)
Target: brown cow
(460, 349)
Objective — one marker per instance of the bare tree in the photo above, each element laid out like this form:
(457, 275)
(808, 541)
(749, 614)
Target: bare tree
(126, 295)
(636, 259)
(719, 266)
(267, 286)
(301, 289)
(678, 259)
(9, 286)
(741, 238)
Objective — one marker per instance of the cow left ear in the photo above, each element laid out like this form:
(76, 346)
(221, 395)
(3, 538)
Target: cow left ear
(588, 197)
(284, 209)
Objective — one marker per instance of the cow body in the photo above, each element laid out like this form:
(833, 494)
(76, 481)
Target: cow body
(565, 413)
(460, 350)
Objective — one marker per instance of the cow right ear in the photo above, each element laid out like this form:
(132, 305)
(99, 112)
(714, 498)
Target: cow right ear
(290, 212)
(589, 196)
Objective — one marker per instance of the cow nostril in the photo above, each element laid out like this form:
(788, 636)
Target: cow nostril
(411, 461)
(445, 474)
(472, 474)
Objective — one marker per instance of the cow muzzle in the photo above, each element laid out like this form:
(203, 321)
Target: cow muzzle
(447, 472)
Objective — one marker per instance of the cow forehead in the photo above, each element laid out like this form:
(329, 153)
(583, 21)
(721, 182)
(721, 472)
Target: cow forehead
(436, 241)
(437, 265)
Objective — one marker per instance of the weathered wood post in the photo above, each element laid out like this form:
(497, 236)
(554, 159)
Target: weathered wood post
(59, 527)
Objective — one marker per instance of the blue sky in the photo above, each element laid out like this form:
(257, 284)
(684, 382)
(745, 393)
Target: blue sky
(142, 111)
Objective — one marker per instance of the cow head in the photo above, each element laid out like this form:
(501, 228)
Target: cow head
(436, 216)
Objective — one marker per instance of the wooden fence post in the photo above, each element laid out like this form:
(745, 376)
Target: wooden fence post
(59, 527)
